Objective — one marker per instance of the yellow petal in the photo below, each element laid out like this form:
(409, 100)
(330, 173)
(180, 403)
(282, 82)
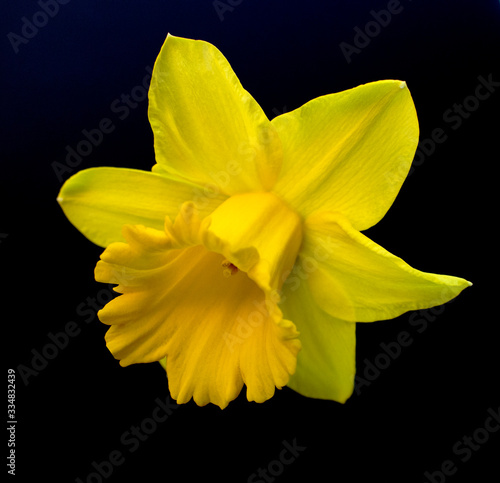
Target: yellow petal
(326, 364)
(217, 332)
(355, 279)
(348, 152)
(206, 127)
(99, 201)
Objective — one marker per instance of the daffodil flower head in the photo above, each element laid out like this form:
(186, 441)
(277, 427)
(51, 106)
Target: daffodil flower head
(239, 258)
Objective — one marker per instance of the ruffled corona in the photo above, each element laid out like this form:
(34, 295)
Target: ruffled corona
(218, 330)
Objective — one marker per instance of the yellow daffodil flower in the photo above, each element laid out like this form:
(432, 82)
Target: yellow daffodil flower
(239, 258)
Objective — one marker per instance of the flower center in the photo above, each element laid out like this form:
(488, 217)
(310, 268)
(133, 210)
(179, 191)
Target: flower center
(256, 233)
(229, 269)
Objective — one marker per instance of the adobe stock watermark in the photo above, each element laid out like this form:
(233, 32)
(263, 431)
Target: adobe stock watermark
(466, 447)
(278, 112)
(419, 322)
(221, 8)
(120, 108)
(30, 27)
(245, 155)
(454, 118)
(288, 455)
(131, 440)
(59, 341)
(364, 36)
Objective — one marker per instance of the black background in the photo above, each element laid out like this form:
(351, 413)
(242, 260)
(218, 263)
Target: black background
(76, 410)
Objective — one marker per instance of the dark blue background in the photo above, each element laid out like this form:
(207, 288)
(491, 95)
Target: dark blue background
(65, 79)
